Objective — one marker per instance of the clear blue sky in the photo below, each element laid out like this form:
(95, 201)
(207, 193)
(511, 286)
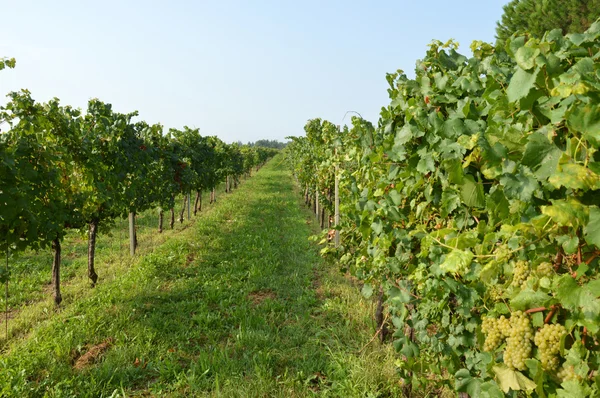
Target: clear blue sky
(241, 70)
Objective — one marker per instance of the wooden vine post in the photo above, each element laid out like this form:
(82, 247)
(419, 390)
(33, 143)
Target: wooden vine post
(336, 216)
(132, 233)
(6, 295)
(189, 197)
(317, 201)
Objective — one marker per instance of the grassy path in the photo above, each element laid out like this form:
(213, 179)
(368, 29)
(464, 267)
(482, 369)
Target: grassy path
(238, 305)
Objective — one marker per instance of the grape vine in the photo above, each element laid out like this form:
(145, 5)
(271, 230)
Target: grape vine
(63, 169)
(476, 197)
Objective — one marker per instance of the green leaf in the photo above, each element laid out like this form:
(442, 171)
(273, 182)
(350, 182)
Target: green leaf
(586, 120)
(367, 290)
(569, 213)
(490, 389)
(521, 83)
(541, 155)
(579, 298)
(570, 244)
(471, 192)
(395, 196)
(400, 296)
(573, 389)
(377, 226)
(528, 298)
(575, 176)
(519, 185)
(568, 292)
(464, 382)
(512, 379)
(525, 57)
(537, 319)
(592, 229)
(457, 262)
(450, 202)
(426, 164)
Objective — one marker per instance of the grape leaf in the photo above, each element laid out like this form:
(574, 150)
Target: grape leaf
(567, 212)
(573, 389)
(541, 155)
(471, 192)
(592, 229)
(520, 84)
(528, 298)
(457, 262)
(512, 379)
(519, 185)
(464, 382)
(586, 119)
(525, 57)
(575, 176)
(367, 290)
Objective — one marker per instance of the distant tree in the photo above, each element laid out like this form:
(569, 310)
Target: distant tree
(538, 16)
(268, 144)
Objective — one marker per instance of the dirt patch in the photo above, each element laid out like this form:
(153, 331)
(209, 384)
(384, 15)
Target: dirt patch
(261, 295)
(93, 354)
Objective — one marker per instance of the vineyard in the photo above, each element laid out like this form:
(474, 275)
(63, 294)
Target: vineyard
(64, 170)
(472, 210)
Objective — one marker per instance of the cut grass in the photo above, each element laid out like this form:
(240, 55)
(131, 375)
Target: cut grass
(227, 307)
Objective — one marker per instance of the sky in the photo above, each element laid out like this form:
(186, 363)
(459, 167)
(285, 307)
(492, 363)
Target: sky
(240, 70)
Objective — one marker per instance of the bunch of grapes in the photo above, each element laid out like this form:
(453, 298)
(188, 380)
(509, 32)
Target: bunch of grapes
(520, 273)
(518, 343)
(495, 293)
(493, 334)
(545, 269)
(547, 339)
(567, 372)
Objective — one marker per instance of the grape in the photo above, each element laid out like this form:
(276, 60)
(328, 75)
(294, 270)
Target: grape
(547, 339)
(567, 372)
(518, 333)
(495, 293)
(504, 325)
(518, 342)
(545, 269)
(493, 334)
(520, 273)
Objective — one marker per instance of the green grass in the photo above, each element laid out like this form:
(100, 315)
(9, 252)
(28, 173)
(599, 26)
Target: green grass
(239, 304)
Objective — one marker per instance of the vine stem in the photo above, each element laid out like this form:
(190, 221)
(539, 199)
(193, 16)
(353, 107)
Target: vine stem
(534, 310)
(589, 260)
(551, 313)
(376, 333)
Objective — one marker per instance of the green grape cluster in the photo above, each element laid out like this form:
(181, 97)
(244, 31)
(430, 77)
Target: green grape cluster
(493, 334)
(567, 372)
(547, 339)
(518, 343)
(495, 293)
(520, 273)
(545, 269)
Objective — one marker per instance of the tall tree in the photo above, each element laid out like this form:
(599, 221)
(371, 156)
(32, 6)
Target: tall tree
(538, 16)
